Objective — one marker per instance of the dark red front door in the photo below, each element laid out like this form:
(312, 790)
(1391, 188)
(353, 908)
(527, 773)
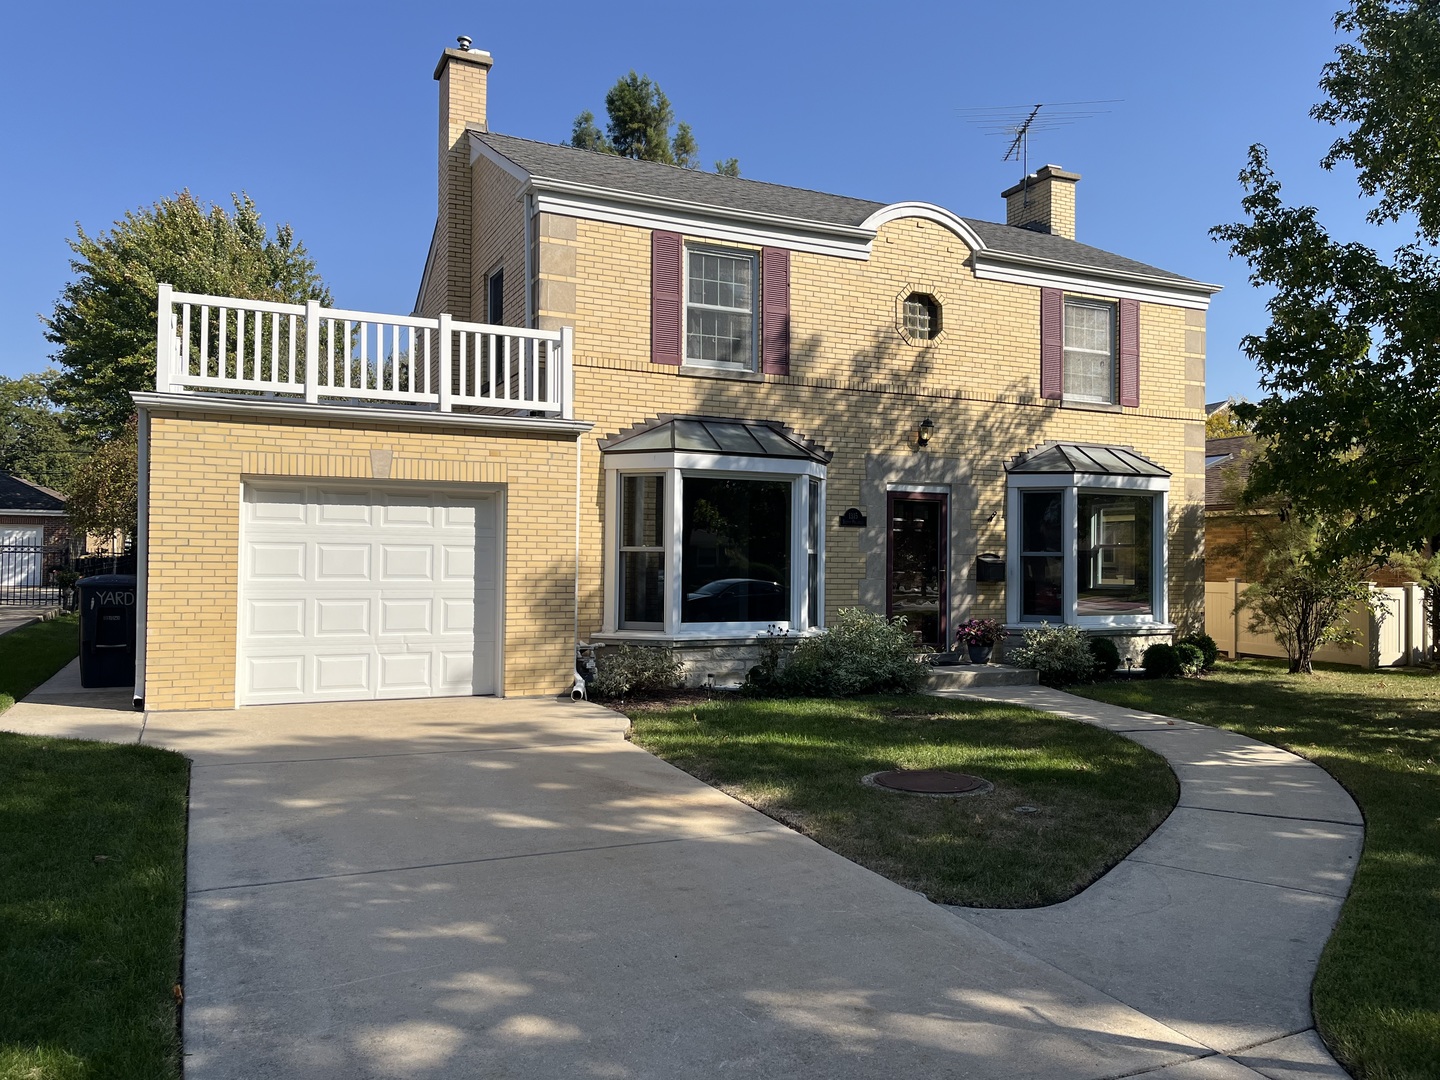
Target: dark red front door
(916, 567)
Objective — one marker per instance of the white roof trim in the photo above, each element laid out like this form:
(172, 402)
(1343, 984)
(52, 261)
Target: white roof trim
(930, 212)
(360, 415)
(1125, 285)
(4, 512)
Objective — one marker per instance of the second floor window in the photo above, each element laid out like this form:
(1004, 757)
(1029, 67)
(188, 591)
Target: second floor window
(1089, 350)
(720, 307)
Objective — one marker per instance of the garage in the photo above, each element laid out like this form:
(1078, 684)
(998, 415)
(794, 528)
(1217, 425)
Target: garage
(361, 591)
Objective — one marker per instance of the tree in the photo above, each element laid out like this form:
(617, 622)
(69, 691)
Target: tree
(33, 444)
(1301, 593)
(1223, 424)
(103, 487)
(1351, 358)
(640, 120)
(104, 321)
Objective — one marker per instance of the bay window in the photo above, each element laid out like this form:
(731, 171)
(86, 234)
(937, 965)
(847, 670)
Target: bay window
(1086, 527)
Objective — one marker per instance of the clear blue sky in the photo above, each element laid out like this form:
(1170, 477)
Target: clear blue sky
(326, 115)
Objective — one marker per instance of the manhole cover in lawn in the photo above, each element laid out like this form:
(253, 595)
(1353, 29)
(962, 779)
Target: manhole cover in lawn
(938, 782)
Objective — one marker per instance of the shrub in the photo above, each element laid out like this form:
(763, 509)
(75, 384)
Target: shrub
(632, 669)
(1209, 651)
(860, 653)
(1106, 655)
(1061, 654)
(1191, 659)
(1161, 662)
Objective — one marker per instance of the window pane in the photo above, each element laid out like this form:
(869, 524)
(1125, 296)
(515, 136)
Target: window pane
(1040, 521)
(642, 511)
(642, 588)
(735, 550)
(719, 336)
(1089, 350)
(719, 319)
(1115, 547)
(1042, 586)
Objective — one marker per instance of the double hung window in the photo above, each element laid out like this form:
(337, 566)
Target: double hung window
(720, 307)
(1089, 350)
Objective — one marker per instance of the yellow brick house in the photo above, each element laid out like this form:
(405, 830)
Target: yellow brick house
(636, 403)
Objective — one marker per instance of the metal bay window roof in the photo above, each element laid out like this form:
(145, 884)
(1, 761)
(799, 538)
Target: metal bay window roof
(1073, 458)
(715, 435)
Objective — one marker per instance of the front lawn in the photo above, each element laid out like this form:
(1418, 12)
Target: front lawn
(31, 654)
(1377, 994)
(92, 879)
(1095, 795)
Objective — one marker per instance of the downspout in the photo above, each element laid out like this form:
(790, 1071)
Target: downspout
(142, 550)
(577, 692)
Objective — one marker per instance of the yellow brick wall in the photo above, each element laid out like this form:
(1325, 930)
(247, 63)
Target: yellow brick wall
(198, 464)
(860, 389)
(498, 241)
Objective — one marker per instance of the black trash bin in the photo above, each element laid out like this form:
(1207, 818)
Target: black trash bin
(107, 630)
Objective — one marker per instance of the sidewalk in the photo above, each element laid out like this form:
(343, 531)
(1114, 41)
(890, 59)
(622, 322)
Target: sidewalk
(1214, 925)
(12, 618)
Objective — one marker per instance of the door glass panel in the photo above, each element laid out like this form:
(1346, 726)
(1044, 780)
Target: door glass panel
(917, 566)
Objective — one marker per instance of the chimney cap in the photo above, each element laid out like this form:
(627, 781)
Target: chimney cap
(1045, 172)
(464, 43)
(478, 57)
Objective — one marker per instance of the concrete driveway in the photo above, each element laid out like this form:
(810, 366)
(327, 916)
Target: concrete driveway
(480, 888)
(466, 888)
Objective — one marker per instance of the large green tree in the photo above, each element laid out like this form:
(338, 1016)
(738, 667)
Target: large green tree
(640, 125)
(1351, 359)
(33, 443)
(104, 321)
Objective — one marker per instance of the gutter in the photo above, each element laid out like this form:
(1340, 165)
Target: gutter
(142, 549)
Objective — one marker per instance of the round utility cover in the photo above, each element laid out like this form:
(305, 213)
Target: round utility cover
(930, 781)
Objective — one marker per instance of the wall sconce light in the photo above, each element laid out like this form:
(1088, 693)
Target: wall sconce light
(927, 429)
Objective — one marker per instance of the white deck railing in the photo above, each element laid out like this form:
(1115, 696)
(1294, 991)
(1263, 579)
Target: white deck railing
(305, 351)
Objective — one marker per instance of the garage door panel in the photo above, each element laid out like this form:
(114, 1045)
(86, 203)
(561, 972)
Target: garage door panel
(277, 562)
(354, 592)
(342, 616)
(276, 618)
(407, 562)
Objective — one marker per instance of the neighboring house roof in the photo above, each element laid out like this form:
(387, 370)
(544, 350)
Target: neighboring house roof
(1057, 457)
(1227, 465)
(22, 495)
(715, 435)
(592, 169)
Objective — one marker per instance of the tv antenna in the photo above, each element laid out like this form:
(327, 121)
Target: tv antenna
(1019, 122)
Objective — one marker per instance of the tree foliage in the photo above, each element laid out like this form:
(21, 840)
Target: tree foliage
(1223, 424)
(1351, 358)
(103, 487)
(33, 443)
(104, 320)
(640, 122)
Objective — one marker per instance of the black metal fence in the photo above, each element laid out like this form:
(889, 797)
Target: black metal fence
(44, 576)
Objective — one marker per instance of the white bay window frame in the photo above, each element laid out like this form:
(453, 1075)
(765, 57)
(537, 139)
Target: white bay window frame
(674, 467)
(1071, 486)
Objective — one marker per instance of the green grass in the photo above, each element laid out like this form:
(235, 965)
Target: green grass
(92, 878)
(33, 653)
(1377, 993)
(1098, 795)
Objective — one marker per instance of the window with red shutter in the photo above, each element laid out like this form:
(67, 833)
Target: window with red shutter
(775, 311)
(1052, 344)
(1130, 353)
(666, 297)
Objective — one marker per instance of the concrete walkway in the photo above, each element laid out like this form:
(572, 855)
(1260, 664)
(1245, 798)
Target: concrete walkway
(1214, 925)
(470, 887)
(12, 618)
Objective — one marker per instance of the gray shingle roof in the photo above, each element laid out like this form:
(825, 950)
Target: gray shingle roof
(18, 494)
(566, 163)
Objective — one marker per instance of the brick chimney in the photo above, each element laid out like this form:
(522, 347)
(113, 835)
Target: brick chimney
(463, 74)
(1043, 201)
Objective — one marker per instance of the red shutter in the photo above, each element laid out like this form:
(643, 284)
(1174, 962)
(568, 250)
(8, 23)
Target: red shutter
(775, 311)
(667, 277)
(1130, 352)
(1052, 344)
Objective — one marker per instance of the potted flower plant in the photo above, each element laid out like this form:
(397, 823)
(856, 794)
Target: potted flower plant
(979, 636)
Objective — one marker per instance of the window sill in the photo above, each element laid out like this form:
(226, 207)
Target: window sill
(700, 371)
(1089, 626)
(1091, 406)
(681, 640)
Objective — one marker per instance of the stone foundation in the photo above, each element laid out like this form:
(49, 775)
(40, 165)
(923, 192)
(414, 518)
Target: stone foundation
(718, 662)
(1130, 641)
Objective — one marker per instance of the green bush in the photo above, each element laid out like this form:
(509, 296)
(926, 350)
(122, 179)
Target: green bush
(1061, 654)
(1192, 660)
(1106, 656)
(632, 669)
(1161, 662)
(860, 653)
(1209, 651)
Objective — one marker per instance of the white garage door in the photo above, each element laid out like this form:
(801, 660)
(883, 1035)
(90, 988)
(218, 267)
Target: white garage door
(20, 565)
(354, 592)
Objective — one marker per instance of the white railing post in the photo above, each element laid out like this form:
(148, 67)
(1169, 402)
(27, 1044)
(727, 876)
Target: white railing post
(164, 339)
(567, 373)
(446, 363)
(312, 351)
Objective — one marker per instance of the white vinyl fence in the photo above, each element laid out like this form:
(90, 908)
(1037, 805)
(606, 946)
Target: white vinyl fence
(1395, 635)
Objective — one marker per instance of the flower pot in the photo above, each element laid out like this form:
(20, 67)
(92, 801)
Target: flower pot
(979, 654)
